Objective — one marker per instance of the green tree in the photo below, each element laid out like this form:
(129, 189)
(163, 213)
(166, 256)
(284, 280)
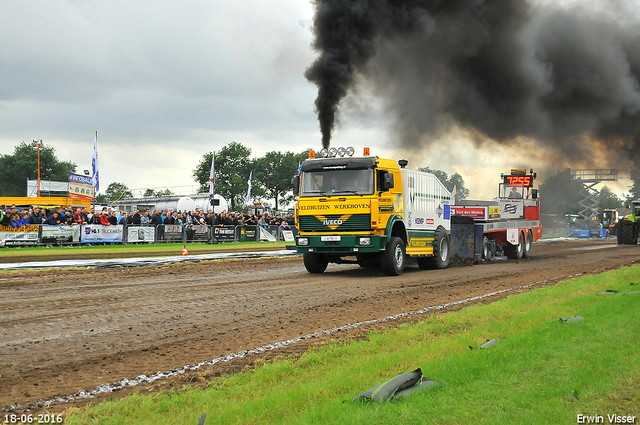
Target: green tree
(455, 180)
(165, 192)
(232, 167)
(273, 173)
(22, 165)
(116, 191)
(149, 192)
(608, 199)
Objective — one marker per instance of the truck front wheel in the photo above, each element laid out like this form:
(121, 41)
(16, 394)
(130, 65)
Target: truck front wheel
(315, 263)
(392, 258)
(440, 259)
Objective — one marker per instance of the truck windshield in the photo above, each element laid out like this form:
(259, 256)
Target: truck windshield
(337, 182)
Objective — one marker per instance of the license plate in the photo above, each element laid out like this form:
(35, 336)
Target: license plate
(329, 238)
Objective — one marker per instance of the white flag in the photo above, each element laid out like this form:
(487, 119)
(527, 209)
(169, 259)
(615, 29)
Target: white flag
(94, 165)
(249, 190)
(212, 180)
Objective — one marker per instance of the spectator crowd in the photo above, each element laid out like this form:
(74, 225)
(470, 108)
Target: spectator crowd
(14, 217)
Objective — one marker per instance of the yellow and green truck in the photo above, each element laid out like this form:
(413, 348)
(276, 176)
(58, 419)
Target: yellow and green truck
(373, 209)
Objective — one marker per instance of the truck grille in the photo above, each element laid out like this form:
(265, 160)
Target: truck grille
(310, 223)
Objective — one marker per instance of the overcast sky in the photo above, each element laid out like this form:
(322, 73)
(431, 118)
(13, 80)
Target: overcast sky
(164, 82)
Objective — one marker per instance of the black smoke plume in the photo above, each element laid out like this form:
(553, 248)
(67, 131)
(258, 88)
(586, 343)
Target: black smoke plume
(565, 74)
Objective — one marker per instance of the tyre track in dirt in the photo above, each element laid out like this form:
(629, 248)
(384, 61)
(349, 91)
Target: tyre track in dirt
(75, 329)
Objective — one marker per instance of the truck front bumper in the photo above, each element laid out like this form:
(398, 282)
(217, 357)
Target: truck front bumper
(341, 244)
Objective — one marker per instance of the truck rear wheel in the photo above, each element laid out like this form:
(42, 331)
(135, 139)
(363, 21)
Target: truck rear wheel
(527, 244)
(627, 233)
(392, 258)
(440, 259)
(485, 248)
(514, 252)
(315, 263)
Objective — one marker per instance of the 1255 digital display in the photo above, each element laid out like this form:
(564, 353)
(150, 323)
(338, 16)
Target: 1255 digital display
(525, 181)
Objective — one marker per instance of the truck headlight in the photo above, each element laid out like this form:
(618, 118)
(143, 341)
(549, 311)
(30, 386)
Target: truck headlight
(303, 241)
(364, 241)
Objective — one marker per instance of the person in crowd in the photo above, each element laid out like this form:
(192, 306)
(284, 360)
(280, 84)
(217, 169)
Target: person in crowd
(6, 220)
(156, 218)
(262, 222)
(189, 219)
(113, 218)
(16, 220)
(24, 217)
(291, 221)
(136, 220)
(53, 219)
(68, 216)
(123, 220)
(104, 218)
(78, 217)
(36, 216)
(166, 219)
(87, 215)
(145, 218)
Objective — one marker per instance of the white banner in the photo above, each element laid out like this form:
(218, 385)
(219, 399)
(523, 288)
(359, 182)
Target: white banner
(71, 233)
(140, 234)
(99, 233)
(266, 235)
(20, 236)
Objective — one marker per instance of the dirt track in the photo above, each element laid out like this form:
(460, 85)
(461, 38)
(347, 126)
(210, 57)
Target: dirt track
(63, 331)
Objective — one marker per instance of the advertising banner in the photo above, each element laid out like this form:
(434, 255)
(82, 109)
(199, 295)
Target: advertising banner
(198, 233)
(80, 187)
(173, 232)
(224, 234)
(511, 208)
(19, 236)
(60, 233)
(98, 233)
(479, 213)
(140, 234)
(246, 233)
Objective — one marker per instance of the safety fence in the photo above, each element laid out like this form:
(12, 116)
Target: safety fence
(34, 235)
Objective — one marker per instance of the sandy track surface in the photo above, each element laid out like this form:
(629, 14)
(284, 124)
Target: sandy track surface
(62, 331)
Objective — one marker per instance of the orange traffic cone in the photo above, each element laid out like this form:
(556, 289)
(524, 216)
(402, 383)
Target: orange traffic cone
(185, 251)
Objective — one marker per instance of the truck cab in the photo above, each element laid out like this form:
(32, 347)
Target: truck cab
(357, 206)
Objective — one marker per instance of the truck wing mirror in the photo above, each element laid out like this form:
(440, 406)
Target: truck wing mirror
(388, 181)
(295, 181)
(534, 194)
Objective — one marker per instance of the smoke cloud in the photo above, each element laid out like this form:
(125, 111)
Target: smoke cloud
(566, 76)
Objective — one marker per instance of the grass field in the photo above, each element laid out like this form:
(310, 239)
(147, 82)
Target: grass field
(544, 372)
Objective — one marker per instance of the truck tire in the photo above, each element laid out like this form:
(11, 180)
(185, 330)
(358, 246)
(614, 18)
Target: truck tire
(486, 253)
(315, 263)
(392, 258)
(514, 252)
(627, 233)
(440, 259)
(528, 244)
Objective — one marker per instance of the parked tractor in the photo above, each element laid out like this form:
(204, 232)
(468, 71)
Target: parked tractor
(628, 226)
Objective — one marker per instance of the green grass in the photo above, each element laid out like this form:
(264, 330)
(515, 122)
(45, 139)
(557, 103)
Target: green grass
(544, 372)
(159, 249)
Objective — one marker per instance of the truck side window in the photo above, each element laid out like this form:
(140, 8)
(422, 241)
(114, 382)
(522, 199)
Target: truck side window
(380, 180)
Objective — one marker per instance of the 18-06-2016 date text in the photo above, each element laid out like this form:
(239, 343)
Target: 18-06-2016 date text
(29, 418)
